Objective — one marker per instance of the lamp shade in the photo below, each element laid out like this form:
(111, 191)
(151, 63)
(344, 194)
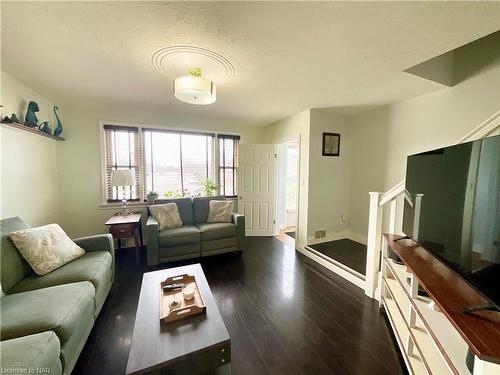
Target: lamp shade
(194, 89)
(122, 177)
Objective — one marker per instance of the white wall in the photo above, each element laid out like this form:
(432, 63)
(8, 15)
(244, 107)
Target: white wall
(294, 127)
(48, 181)
(383, 138)
(329, 177)
(29, 178)
(79, 160)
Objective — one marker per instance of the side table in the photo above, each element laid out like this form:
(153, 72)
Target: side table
(125, 226)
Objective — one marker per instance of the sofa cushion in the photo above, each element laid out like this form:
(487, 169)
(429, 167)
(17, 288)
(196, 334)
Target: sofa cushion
(167, 215)
(68, 310)
(95, 267)
(185, 235)
(40, 351)
(185, 207)
(216, 231)
(200, 207)
(221, 244)
(220, 211)
(46, 248)
(13, 267)
(180, 252)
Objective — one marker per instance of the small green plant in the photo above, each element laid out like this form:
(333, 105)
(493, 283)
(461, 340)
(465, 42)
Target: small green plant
(208, 185)
(172, 194)
(151, 197)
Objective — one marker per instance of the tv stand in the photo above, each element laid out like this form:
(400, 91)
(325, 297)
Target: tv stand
(436, 341)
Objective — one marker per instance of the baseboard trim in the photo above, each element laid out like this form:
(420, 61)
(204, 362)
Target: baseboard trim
(331, 265)
(329, 237)
(339, 236)
(357, 237)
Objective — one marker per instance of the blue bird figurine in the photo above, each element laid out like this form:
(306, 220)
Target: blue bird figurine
(59, 128)
(45, 127)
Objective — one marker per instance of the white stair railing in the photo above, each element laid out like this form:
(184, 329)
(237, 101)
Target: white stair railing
(379, 200)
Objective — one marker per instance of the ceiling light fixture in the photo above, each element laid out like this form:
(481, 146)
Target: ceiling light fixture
(194, 89)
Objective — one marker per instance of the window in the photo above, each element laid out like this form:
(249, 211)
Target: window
(122, 152)
(177, 164)
(228, 164)
(172, 163)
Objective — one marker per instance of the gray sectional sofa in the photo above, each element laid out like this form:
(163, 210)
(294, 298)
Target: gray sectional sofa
(45, 320)
(196, 238)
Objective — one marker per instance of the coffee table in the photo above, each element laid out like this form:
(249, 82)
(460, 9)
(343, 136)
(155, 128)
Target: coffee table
(195, 345)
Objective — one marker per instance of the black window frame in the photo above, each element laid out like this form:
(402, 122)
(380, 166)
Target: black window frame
(216, 164)
(131, 130)
(222, 167)
(180, 133)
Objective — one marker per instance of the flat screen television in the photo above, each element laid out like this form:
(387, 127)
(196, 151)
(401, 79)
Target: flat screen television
(452, 208)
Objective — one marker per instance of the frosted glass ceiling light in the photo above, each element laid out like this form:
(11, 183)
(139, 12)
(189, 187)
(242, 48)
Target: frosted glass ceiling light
(194, 89)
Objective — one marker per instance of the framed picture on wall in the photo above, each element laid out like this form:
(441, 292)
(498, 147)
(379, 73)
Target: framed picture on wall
(331, 144)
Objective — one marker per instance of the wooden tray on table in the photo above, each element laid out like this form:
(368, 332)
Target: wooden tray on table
(186, 308)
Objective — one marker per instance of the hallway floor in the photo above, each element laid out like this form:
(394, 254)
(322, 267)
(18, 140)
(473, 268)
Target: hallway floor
(350, 253)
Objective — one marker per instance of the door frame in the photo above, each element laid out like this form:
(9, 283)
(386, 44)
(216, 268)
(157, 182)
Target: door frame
(296, 138)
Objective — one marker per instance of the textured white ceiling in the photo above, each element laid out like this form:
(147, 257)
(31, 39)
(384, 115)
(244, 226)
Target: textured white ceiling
(288, 56)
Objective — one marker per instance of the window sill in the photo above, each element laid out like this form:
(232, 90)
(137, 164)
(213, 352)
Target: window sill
(115, 206)
(118, 205)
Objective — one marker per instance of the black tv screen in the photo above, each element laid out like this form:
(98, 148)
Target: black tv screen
(452, 208)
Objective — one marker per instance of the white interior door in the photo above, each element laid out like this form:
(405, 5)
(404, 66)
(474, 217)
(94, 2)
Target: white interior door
(256, 188)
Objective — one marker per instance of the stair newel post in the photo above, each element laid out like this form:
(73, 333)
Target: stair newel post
(392, 216)
(373, 245)
(484, 368)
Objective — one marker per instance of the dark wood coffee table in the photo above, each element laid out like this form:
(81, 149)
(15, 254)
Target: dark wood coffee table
(195, 345)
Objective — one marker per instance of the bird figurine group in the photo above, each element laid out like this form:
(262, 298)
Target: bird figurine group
(31, 120)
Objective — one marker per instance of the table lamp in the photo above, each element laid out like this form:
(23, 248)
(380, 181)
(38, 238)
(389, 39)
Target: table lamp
(123, 178)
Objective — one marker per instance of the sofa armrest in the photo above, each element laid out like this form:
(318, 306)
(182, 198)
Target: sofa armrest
(98, 242)
(27, 354)
(239, 221)
(152, 229)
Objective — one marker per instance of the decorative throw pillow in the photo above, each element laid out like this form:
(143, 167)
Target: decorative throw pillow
(220, 211)
(46, 248)
(167, 215)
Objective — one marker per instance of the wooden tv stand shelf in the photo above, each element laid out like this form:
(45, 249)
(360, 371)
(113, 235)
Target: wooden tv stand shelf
(436, 341)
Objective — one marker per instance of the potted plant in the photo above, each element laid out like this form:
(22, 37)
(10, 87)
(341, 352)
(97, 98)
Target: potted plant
(208, 187)
(151, 197)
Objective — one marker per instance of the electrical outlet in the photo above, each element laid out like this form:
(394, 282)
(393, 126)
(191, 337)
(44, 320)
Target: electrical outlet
(320, 234)
(342, 219)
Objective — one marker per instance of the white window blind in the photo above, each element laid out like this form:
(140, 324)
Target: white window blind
(177, 163)
(171, 163)
(228, 165)
(122, 152)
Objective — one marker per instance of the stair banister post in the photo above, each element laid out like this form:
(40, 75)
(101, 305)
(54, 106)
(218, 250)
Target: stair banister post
(485, 368)
(373, 244)
(392, 216)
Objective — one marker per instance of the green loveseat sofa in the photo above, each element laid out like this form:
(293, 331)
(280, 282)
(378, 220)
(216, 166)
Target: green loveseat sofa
(45, 320)
(196, 238)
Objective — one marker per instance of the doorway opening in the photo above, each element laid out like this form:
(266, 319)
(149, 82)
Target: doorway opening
(287, 191)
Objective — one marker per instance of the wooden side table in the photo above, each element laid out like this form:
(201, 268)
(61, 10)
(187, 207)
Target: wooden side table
(125, 226)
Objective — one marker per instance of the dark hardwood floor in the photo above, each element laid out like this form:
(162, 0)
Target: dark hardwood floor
(345, 251)
(284, 314)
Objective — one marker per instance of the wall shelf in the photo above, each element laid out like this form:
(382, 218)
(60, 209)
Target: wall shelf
(25, 128)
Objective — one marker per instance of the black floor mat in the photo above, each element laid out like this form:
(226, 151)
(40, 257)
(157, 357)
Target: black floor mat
(350, 253)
